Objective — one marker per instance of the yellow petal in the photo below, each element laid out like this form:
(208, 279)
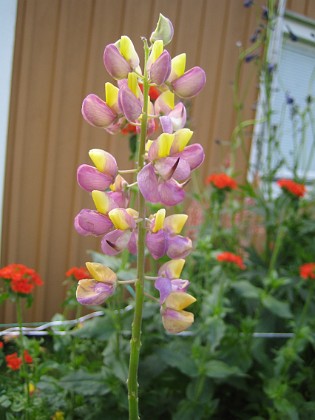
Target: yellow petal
(168, 98)
(101, 273)
(111, 94)
(99, 158)
(133, 83)
(159, 220)
(181, 140)
(179, 65)
(177, 321)
(101, 201)
(157, 50)
(176, 222)
(179, 300)
(126, 47)
(164, 144)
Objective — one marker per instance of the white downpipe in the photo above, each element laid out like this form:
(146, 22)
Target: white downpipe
(8, 9)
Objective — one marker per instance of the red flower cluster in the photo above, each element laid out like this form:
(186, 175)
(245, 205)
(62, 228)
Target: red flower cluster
(292, 187)
(221, 181)
(14, 362)
(1, 345)
(307, 271)
(78, 273)
(23, 279)
(231, 258)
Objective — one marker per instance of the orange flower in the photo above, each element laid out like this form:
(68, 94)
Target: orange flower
(79, 273)
(292, 187)
(229, 257)
(27, 358)
(221, 181)
(307, 271)
(13, 361)
(23, 279)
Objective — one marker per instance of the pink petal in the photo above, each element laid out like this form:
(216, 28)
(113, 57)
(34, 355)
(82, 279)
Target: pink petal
(89, 178)
(116, 241)
(92, 292)
(171, 193)
(156, 244)
(178, 246)
(179, 285)
(115, 63)
(129, 104)
(96, 112)
(193, 154)
(91, 222)
(148, 184)
(166, 167)
(161, 68)
(166, 123)
(178, 116)
(164, 286)
(190, 83)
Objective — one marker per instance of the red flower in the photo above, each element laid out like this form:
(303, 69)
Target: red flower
(1, 345)
(154, 92)
(231, 258)
(292, 187)
(27, 358)
(221, 181)
(13, 361)
(307, 271)
(23, 279)
(78, 273)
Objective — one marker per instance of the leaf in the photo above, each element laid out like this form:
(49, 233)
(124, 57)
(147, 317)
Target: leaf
(84, 383)
(113, 263)
(277, 307)
(100, 328)
(216, 328)
(220, 370)
(247, 290)
(179, 359)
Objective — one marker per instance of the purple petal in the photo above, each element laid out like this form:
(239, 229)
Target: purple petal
(92, 292)
(164, 286)
(161, 68)
(176, 321)
(178, 116)
(121, 198)
(171, 193)
(182, 170)
(166, 167)
(178, 246)
(190, 83)
(156, 244)
(115, 63)
(129, 104)
(179, 285)
(91, 222)
(96, 112)
(89, 178)
(193, 154)
(116, 241)
(148, 184)
(166, 123)
(132, 244)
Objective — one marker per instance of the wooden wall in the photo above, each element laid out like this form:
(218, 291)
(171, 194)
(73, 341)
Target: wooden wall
(57, 62)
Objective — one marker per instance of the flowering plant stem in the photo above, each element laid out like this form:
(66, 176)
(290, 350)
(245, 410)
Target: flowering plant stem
(135, 342)
(23, 371)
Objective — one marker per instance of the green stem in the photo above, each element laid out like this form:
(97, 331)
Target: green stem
(23, 371)
(135, 342)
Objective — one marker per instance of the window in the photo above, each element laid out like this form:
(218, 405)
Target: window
(293, 88)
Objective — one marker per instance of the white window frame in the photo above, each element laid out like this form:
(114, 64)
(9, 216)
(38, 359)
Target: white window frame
(304, 28)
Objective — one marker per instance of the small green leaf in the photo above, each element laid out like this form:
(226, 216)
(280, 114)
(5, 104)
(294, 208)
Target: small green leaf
(277, 307)
(220, 370)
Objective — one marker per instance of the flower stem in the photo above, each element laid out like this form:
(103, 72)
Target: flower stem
(135, 342)
(23, 371)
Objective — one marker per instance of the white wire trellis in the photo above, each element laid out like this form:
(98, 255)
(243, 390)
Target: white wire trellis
(44, 329)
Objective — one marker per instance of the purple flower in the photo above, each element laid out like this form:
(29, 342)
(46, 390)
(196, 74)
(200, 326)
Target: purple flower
(170, 165)
(163, 237)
